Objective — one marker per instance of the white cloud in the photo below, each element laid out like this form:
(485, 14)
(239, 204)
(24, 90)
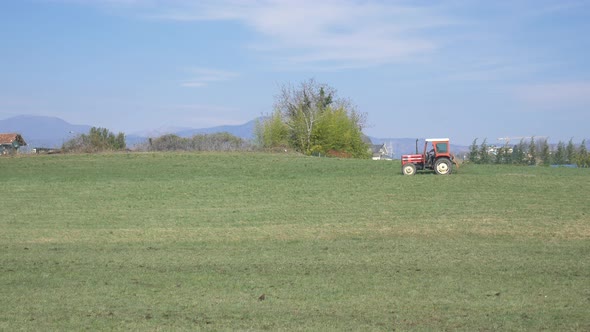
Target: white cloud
(494, 69)
(554, 96)
(343, 33)
(204, 76)
(338, 34)
(203, 108)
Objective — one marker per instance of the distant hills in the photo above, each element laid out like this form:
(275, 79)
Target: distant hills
(52, 132)
(42, 131)
(244, 131)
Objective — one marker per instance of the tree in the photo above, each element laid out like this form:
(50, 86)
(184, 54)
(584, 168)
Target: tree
(560, 154)
(570, 152)
(120, 142)
(338, 133)
(302, 108)
(170, 142)
(504, 155)
(272, 132)
(532, 153)
(200, 142)
(97, 140)
(545, 153)
(583, 159)
(311, 119)
(222, 141)
(518, 153)
(473, 152)
(484, 156)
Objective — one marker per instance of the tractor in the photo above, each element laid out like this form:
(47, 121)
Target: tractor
(436, 156)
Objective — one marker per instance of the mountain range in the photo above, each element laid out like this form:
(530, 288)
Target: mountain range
(52, 132)
(42, 131)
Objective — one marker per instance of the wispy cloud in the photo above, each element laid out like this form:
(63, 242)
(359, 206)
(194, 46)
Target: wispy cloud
(203, 76)
(343, 33)
(554, 96)
(336, 34)
(203, 108)
(494, 69)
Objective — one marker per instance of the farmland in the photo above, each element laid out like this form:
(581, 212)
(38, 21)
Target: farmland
(248, 241)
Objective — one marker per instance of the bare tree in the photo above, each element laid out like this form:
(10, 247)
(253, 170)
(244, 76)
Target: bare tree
(302, 107)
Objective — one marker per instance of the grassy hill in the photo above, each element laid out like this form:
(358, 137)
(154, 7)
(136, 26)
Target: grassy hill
(161, 241)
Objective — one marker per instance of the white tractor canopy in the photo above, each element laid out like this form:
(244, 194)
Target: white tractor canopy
(437, 140)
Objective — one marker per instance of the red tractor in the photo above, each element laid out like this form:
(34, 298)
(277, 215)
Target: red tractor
(436, 156)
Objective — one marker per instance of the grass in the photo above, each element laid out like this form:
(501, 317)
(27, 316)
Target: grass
(191, 241)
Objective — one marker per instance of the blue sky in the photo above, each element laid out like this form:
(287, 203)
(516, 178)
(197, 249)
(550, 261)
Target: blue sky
(462, 69)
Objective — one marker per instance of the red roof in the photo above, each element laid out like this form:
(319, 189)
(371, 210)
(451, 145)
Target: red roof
(9, 138)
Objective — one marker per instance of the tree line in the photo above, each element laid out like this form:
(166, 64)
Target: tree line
(309, 118)
(530, 152)
(102, 139)
(200, 142)
(97, 140)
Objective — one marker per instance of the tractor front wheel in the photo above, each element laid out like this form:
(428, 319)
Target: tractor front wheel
(409, 169)
(443, 166)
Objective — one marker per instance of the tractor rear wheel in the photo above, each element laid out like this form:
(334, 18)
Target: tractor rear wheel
(443, 166)
(409, 169)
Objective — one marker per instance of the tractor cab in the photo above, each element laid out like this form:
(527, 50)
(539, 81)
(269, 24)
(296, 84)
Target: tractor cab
(436, 147)
(435, 156)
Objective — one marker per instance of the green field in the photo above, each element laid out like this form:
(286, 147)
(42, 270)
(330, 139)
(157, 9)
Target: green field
(191, 241)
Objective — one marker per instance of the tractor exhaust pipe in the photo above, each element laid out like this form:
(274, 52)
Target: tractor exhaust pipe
(416, 146)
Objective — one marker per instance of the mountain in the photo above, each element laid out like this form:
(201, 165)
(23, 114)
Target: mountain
(245, 131)
(52, 132)
(160, 131)
(42, 131)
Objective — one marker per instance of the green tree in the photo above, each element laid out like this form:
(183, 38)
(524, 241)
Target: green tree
(222, 141)
(272, 132)
(560, 154)
(504, 155)
(310, 118)
(302, 108)
(170, 142)
(484, 156)
(518, 153)
(474, 152)
(97, 140)
(570, 152)
(583, 159)
(532, 153)
(338, 133)
(120, 142)
(499, 153)
(545, 153)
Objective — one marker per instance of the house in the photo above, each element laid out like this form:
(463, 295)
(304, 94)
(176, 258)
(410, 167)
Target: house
(9, 143)
(380, 152)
